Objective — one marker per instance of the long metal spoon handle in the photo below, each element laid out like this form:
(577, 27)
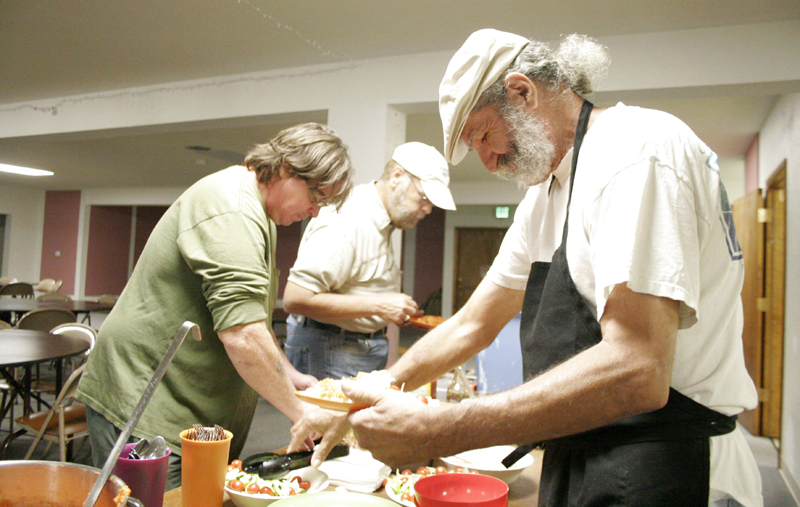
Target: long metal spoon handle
(137, 412)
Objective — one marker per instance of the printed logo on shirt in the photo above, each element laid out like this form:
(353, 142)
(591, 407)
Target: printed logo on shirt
(726, 216)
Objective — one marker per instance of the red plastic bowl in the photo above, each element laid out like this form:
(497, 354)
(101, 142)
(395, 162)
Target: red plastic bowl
(461, 490)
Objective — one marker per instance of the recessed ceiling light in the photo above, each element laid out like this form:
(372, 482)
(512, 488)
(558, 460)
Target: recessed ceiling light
(27, 171)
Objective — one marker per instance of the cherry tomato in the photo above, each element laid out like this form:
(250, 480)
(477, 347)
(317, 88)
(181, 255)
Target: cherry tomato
(406, 472)
(407, 497)
(396, 388)
(404, 479)
(237, 463)
(292, 492)
(266, 490)
(423, 471)
(304, 484)
(384, 483)
(459, 470)
(441, 470)
(422, 398)
(474, 472)
(295, 477)
(252, 489)
(236, 485)
(231, 468)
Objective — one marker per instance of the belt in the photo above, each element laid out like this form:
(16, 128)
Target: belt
(309, 322)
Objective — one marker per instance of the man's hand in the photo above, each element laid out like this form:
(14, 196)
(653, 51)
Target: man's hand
(301, 381)
(394, 428)
(396, 307)
(331, 424)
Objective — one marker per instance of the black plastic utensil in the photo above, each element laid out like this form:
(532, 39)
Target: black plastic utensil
(269, 465)
(518, 453)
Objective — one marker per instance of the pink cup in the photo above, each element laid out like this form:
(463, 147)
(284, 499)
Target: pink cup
(147, 478)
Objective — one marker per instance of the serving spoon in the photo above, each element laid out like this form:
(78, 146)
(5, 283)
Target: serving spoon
(270, 465)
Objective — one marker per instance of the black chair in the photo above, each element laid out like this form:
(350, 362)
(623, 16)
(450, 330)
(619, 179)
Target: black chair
(44, 319)
(18, 289)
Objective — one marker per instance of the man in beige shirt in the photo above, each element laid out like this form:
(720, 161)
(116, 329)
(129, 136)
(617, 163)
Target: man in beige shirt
(344, 288)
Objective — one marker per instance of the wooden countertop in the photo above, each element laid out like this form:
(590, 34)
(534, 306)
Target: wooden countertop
(524, 492)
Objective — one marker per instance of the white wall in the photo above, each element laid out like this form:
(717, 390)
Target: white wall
(780, 140)
(731, 172)
(24, 228)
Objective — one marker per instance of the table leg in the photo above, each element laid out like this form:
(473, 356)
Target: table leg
(59, 375)
(11, 396)
(26, 391)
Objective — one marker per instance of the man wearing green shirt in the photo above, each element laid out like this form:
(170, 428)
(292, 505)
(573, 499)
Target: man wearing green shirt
(211, 260)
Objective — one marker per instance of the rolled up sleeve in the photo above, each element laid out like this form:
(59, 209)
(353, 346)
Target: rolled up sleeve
(228, 252)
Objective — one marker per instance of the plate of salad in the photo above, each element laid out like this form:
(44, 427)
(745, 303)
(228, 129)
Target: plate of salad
(249, 490)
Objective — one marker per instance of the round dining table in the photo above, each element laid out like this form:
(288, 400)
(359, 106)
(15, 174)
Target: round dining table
(25, 348)
(23, 305)
(17, 307)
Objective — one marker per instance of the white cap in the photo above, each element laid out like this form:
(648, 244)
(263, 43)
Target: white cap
(427, 164)
(482, 59)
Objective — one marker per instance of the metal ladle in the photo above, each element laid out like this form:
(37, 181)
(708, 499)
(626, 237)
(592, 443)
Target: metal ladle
(137, 412)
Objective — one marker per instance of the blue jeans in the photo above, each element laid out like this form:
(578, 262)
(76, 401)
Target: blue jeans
(327, 354)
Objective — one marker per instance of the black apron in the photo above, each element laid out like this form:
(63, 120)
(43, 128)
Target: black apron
(659, 458)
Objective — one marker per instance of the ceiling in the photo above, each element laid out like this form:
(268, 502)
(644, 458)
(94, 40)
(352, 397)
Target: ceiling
(54, 49)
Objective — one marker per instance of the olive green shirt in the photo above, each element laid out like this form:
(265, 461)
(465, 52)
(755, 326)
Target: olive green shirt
(209, 260)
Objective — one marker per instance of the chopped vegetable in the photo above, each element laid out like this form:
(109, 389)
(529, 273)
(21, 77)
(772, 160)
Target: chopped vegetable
(401, 484)
(252, 484)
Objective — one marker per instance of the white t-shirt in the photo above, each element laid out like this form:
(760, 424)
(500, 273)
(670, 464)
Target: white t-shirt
(350, 252)
(648, 208)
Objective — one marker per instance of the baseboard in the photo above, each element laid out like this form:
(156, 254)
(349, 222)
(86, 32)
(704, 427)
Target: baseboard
(790, 481)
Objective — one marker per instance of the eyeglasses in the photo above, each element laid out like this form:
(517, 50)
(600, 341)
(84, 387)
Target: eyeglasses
(422, 196)
(317, 197)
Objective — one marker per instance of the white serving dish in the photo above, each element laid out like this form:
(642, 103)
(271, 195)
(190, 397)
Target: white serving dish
(488, 461)
(318, 479)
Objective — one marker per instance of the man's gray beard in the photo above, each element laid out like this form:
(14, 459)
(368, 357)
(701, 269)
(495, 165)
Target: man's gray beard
(530, 161)
(402, 215)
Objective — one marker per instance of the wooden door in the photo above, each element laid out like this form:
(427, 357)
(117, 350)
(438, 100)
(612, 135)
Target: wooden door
(751, 238)
(761, 228)
(476, 249)
(774, 304)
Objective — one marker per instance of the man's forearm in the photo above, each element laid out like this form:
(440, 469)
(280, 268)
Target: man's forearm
(260, 363)
(329, 306)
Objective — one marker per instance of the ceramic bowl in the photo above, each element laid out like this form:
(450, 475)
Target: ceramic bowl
(319, 481)
(488, 461)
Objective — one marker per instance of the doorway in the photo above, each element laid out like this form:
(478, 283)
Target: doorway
(476, 249)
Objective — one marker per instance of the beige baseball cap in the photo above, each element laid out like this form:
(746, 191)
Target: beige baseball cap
(426, 163)
(482, 59)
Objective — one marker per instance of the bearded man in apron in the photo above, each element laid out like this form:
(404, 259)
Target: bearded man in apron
(624, 262)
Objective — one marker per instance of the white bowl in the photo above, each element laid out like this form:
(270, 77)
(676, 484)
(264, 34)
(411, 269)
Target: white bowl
(318, 479)
(488, 461)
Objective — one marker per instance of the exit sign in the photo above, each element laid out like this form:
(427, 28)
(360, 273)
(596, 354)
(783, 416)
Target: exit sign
(501, 211)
